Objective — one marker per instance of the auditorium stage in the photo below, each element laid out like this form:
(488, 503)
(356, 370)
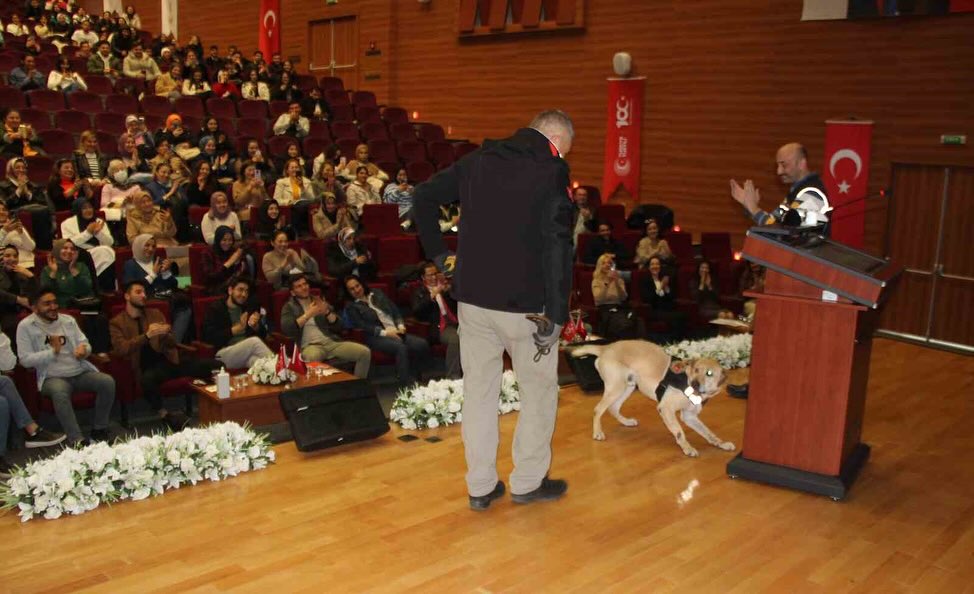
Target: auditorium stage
(391, 516)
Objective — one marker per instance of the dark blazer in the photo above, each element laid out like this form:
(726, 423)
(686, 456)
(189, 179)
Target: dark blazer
(132, 271)
(308, 107)
(84, 170)
(217, 324)
(128, 340)
(428, 311)
(38, 196)
(598, 246)
(515, 183)
(361, 316)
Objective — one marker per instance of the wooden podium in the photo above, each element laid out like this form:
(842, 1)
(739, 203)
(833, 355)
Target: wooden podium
(809, 361)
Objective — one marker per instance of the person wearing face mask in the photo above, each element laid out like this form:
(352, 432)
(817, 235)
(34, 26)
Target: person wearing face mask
(401, 194)
(118, 191)
(332, 217)
(87, 232)
(226, 260)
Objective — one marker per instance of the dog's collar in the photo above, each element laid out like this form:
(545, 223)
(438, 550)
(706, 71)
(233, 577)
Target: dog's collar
(694, 398)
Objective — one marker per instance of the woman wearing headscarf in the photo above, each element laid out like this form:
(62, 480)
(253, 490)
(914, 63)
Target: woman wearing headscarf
(91, 234)
(372, 311)
(283, 261)
(347, 256)
(19, 193)
(270, 220)
(219, 215)
(159, 274)
(174, 132)
(221, 165)
(227, 259)
(332, 217)
(149, 218)
(71, 281)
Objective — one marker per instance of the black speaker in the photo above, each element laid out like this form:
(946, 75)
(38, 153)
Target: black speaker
(329, 415)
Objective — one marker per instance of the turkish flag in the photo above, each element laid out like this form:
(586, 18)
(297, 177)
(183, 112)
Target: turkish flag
(846, 176)
(269, 31)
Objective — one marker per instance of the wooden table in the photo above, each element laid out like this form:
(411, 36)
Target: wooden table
(257, 403)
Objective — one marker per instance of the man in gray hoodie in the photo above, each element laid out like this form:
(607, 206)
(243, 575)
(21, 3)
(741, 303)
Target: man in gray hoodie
(54, 346)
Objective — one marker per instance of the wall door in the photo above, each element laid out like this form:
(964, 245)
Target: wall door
(334, 49)
(930, 233)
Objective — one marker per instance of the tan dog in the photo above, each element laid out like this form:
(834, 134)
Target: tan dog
(629, 364)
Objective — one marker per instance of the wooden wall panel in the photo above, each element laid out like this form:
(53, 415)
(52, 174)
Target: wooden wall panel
(728, 81)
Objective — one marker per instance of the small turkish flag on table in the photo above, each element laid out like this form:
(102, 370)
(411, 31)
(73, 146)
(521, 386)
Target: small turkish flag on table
(269, 31)
(846, 175)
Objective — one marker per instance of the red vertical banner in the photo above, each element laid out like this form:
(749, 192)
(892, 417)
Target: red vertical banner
(846, 175)
(624, 124)
(269, 31)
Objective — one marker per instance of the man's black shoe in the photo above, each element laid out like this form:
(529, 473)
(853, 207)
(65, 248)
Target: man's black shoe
(549, 490)
(737, 391)
(483, 502)
(99, 435)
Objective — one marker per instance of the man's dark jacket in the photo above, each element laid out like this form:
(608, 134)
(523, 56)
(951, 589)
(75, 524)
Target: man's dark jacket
(514, 249)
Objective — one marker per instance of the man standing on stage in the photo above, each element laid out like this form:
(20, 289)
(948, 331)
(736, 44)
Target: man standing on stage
(806, 194)
(512, 290)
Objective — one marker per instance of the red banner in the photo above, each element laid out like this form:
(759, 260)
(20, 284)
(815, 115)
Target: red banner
(269, 31)
(846, 175)
(622, 134)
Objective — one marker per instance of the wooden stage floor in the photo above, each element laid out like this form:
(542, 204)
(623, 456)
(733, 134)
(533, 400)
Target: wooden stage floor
(389, 516)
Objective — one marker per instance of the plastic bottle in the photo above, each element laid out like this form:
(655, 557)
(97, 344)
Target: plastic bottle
(223, 383)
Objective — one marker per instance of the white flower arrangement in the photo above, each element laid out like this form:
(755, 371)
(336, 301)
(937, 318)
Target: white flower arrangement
(439, 403)
(79, 480)
(730, 351)
(264, 371)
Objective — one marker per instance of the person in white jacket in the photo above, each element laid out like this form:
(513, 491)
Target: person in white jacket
(12, 232)
(292, 123)
(254, 89)
(294, 186)
(64, 79)
(90, 233)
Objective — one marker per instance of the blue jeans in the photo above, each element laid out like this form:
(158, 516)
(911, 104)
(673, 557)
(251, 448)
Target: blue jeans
(11, 404)
(59, 389)
(410, 347)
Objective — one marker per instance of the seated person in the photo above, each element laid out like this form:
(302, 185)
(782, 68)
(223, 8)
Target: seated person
(376, 177)
(196, 86)
(64, 79)
(86, 231)
(19, 139)
(65, 186)
(292, 123)
(255, 156)
(219, 215)
(149, 218)
(293, 152)
(373, 312)
(652, 246)
(65, 275)
(170, 84)
(349, 257)
(18, 193)
(222, 167)
(401, 194)
(138, 64)
(657, 291)
(752, 280)
(703, 290)
(13, 234)
(332, 217)
(144, 141)
(248, 191)
(616, 318)
(90, 164)
(27, 77)
(432, 304)
(174, 133)
(226, 260)
(295, 190)
(54, 346)
(270, 220)
(235, 326)
(118, 192)
(314, 106)
(603, 243)
(324, 181)
(224, 88)
(142, 335)
(158, 274)
(17, 284)
(12, 406)
(360, 192)
(283, 261)
(313, 323)
(254, 88)
(284, 89)
(211, 127)
(202, 184)
(104, 63)
(584, 221)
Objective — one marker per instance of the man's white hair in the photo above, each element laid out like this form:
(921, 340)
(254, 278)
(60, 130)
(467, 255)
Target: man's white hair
(553, 121)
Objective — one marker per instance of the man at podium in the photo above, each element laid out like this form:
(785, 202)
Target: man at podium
(806, 204)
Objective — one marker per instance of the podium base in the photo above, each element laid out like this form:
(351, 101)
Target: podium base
(835, 487)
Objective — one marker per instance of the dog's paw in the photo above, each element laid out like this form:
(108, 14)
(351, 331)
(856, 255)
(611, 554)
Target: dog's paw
(629, 422)
(598, 436)
(691, 451)
(727, 446)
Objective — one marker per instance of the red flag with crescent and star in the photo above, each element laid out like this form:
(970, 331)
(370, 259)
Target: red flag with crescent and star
(269, 41)
(845, 166)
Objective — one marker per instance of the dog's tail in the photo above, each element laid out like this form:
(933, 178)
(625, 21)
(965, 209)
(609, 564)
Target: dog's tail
(589, 349)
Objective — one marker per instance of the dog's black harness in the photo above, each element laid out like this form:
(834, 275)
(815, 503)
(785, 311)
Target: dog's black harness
(680, 381)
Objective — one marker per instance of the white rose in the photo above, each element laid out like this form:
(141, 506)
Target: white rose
(432, 423)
